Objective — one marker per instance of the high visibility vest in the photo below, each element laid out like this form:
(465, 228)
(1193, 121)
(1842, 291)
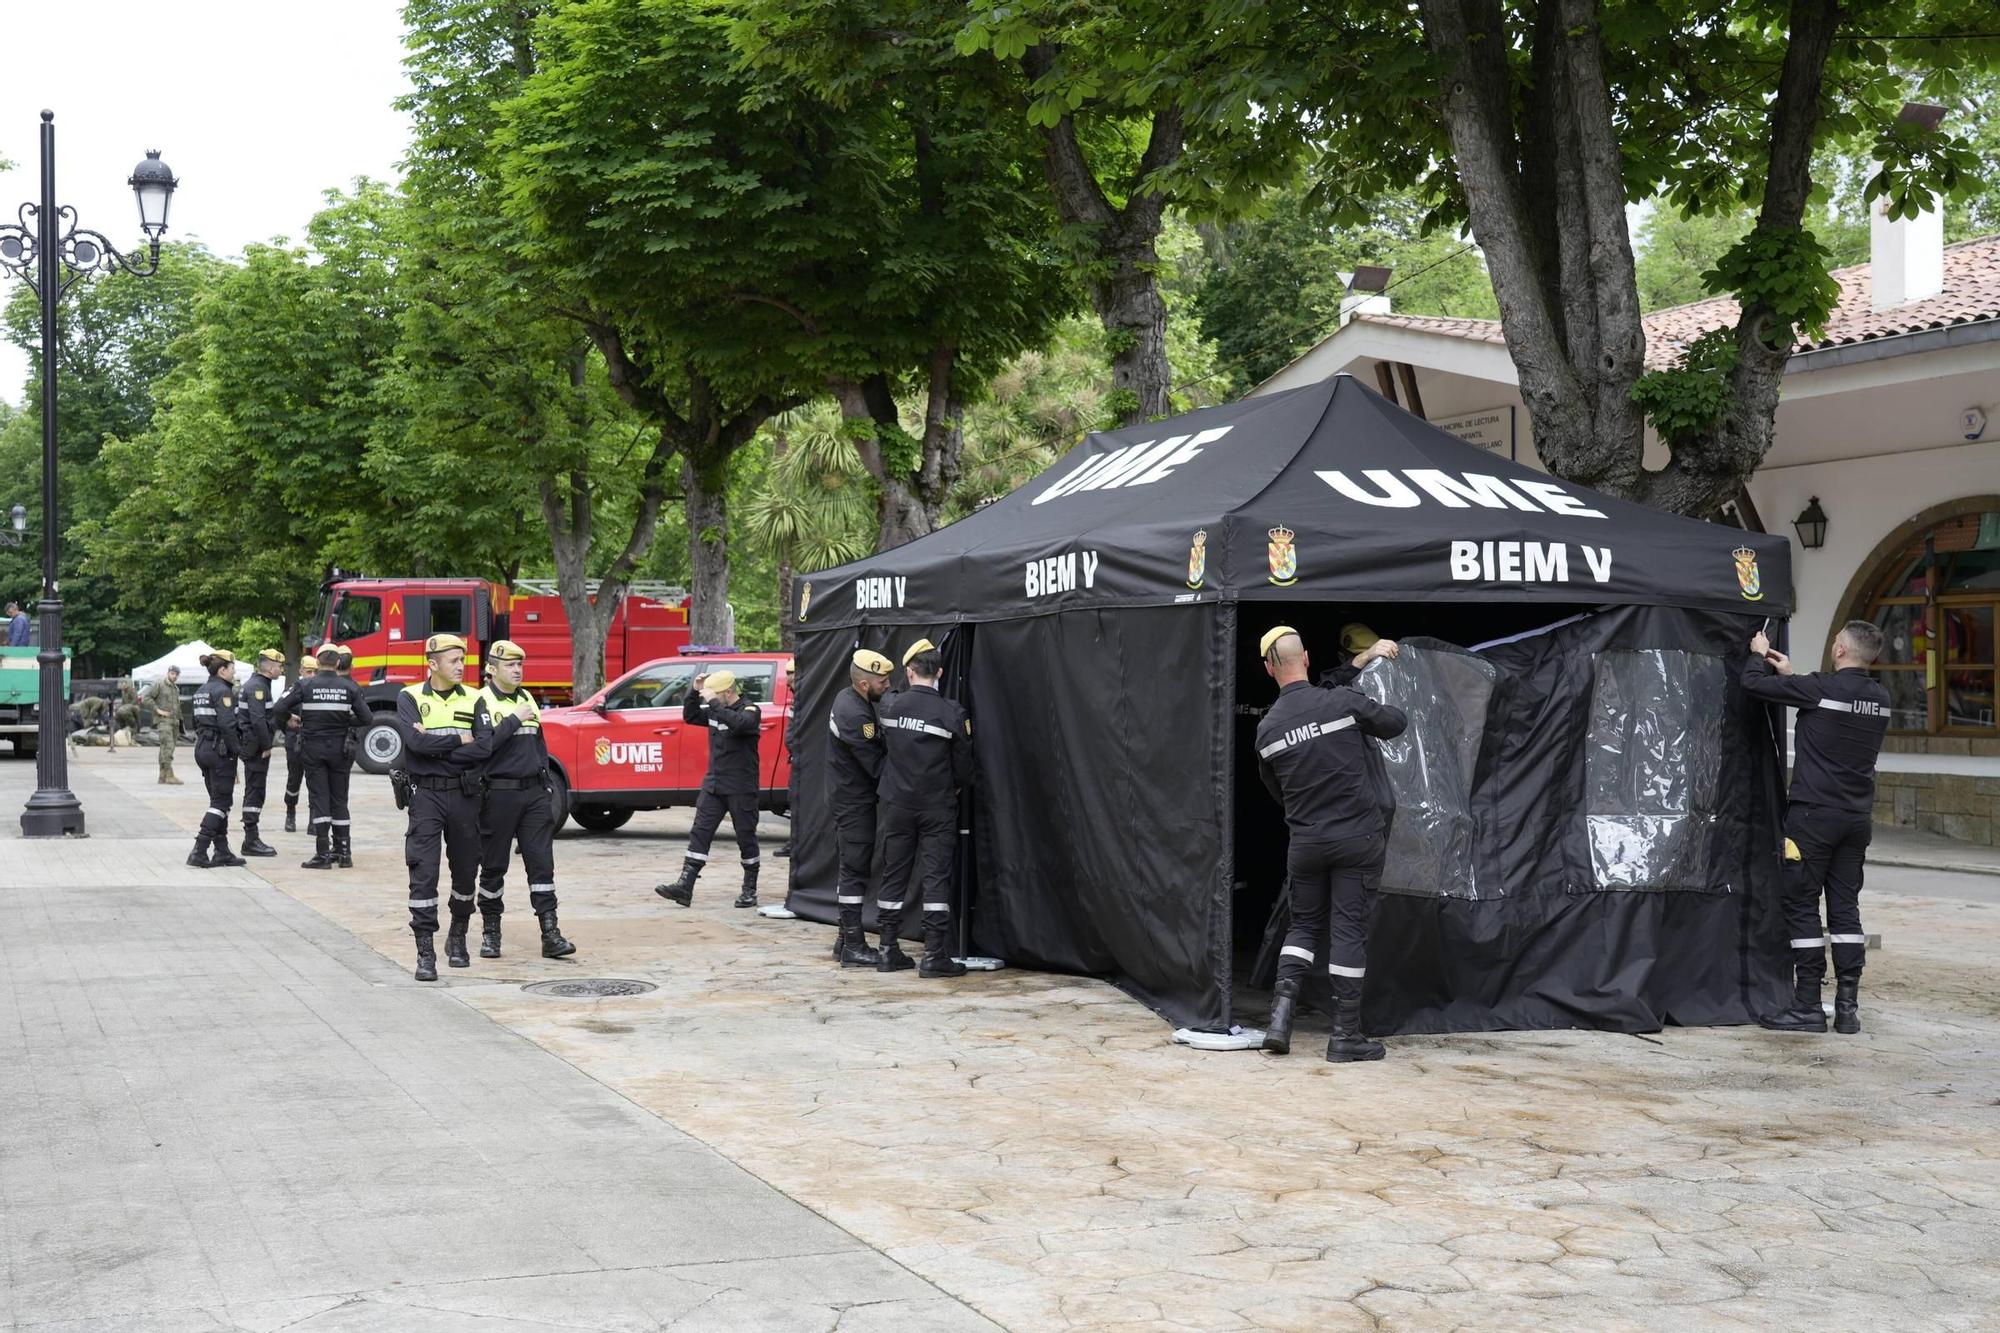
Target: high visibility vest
(499, 707)
(442, 712)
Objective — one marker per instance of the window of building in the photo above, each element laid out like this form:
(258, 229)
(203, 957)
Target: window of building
(1937, 600)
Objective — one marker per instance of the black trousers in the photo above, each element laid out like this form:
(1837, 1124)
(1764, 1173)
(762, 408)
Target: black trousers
(708, 811)
(854, 830)
(218, 773)
(1332, 883)
(446, 818)
(295, 773)
(256, 770)
(509, 817)
(924, 841)
(1833, 845)
(327, 780)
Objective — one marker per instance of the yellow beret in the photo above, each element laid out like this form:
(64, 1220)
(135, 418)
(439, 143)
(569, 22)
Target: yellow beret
(1271, 636)
(867, 659)
(443, 643)
(346, 653)
(1355, 636)
(222, 655)
(269, 655)
(505, 650)
(718, 681)
(328, 653)
(920, 646)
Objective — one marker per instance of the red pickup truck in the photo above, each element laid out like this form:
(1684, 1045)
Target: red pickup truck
(626, 748)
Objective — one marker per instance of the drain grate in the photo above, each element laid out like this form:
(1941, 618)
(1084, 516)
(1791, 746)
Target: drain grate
(590, 988)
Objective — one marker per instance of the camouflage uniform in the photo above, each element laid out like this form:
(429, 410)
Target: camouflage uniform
(165, 698)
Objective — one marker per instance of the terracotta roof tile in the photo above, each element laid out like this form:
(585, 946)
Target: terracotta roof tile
(1971, 294)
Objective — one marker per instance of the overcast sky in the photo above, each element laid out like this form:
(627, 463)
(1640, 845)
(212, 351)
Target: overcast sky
(257, 105)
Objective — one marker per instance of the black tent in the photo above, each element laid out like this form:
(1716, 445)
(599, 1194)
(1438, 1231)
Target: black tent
(1587, 806)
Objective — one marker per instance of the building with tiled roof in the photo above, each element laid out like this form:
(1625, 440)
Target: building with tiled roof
(1888, 428)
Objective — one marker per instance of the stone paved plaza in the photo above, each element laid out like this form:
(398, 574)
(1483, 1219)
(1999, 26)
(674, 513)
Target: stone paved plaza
(1018, 1148)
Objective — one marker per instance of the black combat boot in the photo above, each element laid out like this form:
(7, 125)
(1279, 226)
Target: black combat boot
(321, 860)
(220, 855)
(343, 849)
(681, 890)
(1805, 1015)
(252, 844)
(291, 816)
(1347, 1043)
(1846, 1005)
(938, 961)
(454, 943)
(198, 858)
(1284, 1008)
(553, 943)
(892, 957)
(747, 898)
(784, 850)
(851, 946)
(489, 937)
(427, 959)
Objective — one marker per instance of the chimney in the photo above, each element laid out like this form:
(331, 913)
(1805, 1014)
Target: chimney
(1367, 292)
(1906, 257)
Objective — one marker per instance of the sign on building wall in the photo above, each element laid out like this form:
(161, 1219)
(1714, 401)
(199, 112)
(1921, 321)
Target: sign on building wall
(1490, 428)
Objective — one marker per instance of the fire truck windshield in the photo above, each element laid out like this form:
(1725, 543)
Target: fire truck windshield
(356, 616)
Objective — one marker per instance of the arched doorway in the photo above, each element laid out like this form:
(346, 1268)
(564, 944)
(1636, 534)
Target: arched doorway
(1934, 588)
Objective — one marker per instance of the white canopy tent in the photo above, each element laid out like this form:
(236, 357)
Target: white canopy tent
(187, 657)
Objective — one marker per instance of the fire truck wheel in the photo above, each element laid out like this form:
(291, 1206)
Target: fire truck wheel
(381, 746)
(558, 798)
(602, 818)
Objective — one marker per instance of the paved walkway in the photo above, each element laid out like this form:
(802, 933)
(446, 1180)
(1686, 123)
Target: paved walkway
(219, 1111)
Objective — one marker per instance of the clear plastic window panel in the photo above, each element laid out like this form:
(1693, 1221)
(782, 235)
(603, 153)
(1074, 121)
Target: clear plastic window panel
(1655, 756)
(1432, 834)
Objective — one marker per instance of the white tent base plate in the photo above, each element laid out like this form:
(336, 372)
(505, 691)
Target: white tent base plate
(977, 964)
(1241, 1039)
(777, 912)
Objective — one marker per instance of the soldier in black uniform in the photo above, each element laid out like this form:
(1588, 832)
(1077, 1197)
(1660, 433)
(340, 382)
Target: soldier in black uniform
(295, 755)
(1314, 756)
(927, 760)
(853, 771)
(254, 703)
(508, 725)
(1843, 716)
(435, 717)
(345, 668)
(731, 784)
(215, 742)
(328, 707)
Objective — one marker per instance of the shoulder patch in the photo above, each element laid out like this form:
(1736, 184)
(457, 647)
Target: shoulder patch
(226, 701)
(868, 731)
(968, 726)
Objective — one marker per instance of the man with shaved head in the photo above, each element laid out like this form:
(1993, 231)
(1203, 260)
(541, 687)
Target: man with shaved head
(1313, 752)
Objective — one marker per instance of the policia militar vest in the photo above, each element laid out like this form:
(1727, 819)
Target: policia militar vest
(438, 712)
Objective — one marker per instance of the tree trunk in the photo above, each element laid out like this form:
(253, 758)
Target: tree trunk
(708, 552)
(910, 504)
(788, 624)
(1123, 287)
(288, 630)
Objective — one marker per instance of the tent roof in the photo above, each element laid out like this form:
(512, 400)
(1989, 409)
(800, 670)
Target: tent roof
(187, 657)
(1324, 493)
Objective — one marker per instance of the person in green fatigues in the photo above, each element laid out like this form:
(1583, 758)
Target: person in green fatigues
(165, 698)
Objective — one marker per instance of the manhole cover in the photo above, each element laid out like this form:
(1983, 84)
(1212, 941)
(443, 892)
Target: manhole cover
(590, 988)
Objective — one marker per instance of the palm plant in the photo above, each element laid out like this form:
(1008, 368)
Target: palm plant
(815, 507)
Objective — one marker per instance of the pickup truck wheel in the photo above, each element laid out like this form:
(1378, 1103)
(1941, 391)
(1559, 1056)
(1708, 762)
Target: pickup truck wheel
(26, 747)
(558, 798)
(602, 818)
(381, 746)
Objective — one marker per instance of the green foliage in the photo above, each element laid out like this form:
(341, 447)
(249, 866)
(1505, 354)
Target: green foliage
(1689, 401)
(1674, 252)
(1786, 269)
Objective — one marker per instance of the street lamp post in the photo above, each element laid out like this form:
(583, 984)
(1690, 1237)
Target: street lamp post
(50, 253)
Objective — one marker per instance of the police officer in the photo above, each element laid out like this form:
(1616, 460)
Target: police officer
(345, 668)
(927, 759)
(165, 697)
(507, 723)
(731, 784)
(295, 755)
(435, 717)
(328, 708)
(853, 771)
(255, 703)
(215, 743)
(1313, 753)
(1843, 716)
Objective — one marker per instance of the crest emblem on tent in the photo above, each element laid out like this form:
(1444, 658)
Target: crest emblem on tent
(1284, 558)
(1198, 559)
(805, 600)
(1747, 577)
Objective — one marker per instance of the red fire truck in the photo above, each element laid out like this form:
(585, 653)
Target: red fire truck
(385, 623)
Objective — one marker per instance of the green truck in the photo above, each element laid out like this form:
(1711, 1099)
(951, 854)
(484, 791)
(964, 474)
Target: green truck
(21, 695)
